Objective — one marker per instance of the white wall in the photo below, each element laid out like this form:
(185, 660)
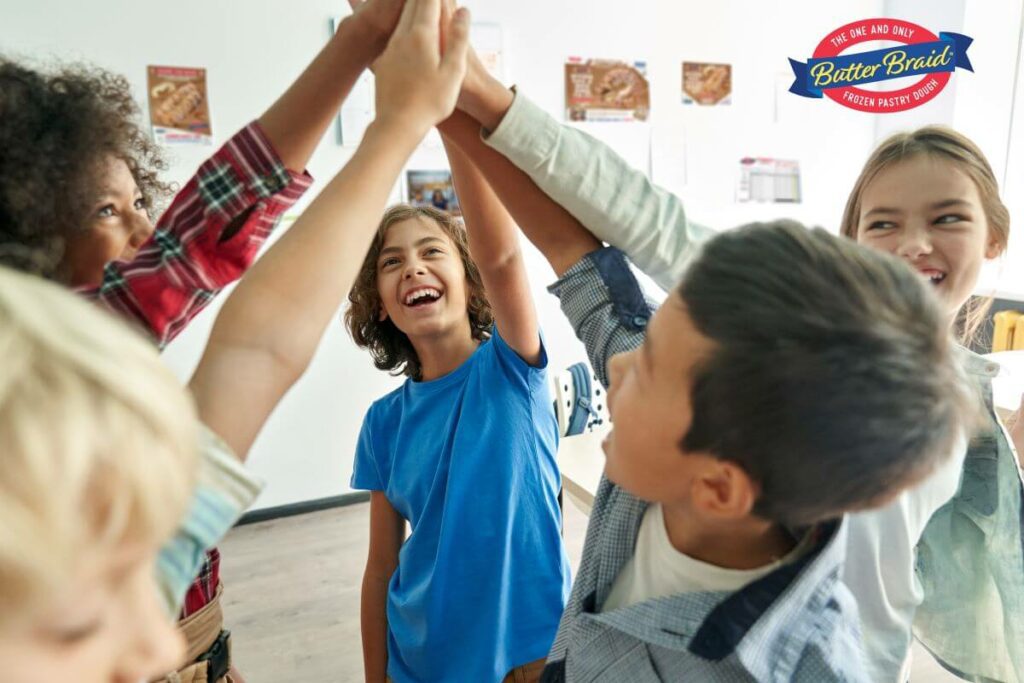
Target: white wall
(983, 108)
(253, 49)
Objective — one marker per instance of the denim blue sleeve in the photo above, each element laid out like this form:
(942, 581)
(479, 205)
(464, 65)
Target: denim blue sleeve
(224, 490)
(603, 300)
(365, 472)
(822, 664)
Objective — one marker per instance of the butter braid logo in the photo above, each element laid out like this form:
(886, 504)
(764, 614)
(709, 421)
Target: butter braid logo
(920, 53)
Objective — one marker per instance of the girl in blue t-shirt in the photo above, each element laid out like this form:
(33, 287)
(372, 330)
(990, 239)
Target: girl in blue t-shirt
(463, 451)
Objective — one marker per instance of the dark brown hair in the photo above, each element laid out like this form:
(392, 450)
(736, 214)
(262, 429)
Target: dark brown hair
(390, 348)
(834, 382)
(942, 143)
(57, 128)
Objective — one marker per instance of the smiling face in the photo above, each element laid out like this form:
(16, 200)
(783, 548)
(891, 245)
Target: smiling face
(118, 224)
(108, 626)
(421, 280)
(928, 212)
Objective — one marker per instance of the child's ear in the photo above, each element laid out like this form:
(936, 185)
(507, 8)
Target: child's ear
(724, 489)
(993, 248)
(382, 314)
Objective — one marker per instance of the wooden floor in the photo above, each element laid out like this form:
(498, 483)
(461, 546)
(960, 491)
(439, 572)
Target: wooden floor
(292, 596)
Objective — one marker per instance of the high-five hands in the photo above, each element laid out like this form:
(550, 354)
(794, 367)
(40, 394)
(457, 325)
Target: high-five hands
(376, 18)
(417, 82)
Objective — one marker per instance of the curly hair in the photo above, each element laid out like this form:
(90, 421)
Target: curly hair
(390, 348)
(56, 129)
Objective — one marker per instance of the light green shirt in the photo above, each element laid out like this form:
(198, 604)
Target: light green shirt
(616, 202)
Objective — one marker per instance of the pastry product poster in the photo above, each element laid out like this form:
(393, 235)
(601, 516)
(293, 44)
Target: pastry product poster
(433, 188)
(706, 83)
(606, 90)
(179, 108)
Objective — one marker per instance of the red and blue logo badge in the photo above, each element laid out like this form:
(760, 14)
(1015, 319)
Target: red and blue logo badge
(922, 53)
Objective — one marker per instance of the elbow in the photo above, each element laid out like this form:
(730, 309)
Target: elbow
(288, 364)
(500, 263)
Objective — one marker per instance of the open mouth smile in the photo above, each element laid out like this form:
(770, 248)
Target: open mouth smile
(422, 297)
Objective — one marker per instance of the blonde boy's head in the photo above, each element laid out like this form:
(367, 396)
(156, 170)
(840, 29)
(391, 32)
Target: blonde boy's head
(97, 441)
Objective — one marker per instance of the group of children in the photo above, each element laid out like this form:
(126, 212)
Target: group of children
(805, 472)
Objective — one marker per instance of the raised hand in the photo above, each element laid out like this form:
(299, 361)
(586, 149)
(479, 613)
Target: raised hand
(417, 82)
(376, 19)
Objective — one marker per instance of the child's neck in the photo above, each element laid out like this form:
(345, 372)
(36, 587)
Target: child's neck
(746, 543)
(440, 355)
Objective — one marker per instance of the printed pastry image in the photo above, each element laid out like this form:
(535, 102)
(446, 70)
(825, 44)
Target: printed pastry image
(707, 83)
(175, 105)
(617, 87)
(606, 90)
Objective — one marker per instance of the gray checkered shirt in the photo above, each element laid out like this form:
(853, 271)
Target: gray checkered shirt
(798, 623)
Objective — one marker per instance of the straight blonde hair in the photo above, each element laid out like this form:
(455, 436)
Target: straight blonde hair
(942, 143)
(98, 441)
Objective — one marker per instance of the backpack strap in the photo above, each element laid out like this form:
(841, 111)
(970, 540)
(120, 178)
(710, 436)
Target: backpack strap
(582, 408)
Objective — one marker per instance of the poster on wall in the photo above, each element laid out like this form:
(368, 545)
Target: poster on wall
(706, 83)
(432, 188)
(606, 90)
(764, 179)
(179, 108)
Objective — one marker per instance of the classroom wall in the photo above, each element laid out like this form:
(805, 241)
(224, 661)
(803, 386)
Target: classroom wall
(253, 49)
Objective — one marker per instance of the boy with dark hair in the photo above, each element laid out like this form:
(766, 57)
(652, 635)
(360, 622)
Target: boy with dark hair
(789, 378)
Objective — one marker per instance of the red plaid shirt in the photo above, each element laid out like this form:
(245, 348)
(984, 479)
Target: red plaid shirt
(186, 263)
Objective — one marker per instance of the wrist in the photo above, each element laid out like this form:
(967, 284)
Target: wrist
(487, 102)
(360, 39)
(402, 129)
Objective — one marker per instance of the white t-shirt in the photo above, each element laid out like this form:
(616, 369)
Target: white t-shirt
(658, 570)
(879, 568)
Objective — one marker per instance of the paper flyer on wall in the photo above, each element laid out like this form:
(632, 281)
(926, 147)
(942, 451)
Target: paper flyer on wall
(606, 90)
(706, 83)
(765, 179)
(179, 108)
(432, 188)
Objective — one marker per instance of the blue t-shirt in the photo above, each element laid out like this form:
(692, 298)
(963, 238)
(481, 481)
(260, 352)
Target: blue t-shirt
(469, 460)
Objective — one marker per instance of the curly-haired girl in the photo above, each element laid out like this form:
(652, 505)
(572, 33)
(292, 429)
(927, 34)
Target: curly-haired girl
(64, 134)
(464, 450)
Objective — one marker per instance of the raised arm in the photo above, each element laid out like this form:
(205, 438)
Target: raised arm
(560, 238)
(210, 234)
(296, 122)
(494, 245)
(270, 327)
(615, 201)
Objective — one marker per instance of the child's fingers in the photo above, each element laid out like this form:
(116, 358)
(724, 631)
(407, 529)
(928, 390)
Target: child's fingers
(405, 20)
(426, 13)
(354, 4)
(448, 9)
(453, 61)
